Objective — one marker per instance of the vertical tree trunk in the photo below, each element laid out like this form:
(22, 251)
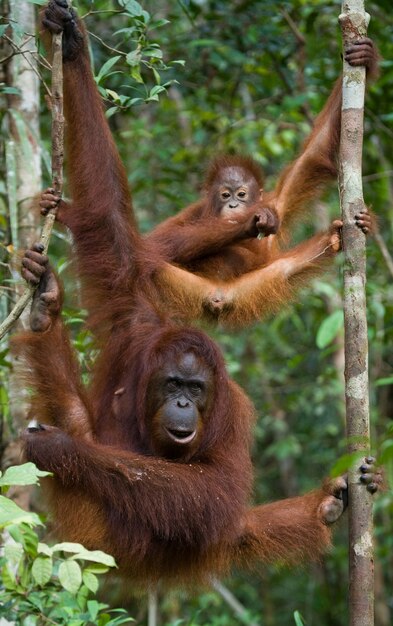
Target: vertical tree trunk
(23, 167)
(24, 125)
(354, 22)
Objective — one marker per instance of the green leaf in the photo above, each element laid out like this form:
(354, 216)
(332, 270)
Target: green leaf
(8, 578)
(26, 474)
(158, 23)
(96, 568)
(156, 90)
(68, 546)
(133, 58)
(104, 70)
(42, 570)
(346, 461)
(11, 513)
(111, 111)
(329, 329)
(157, 76)
(93, 607)
(136, 75)
(97, 557)
(70, 576)
(298, 619)
(384, 381)
(30, 620)
(155, 53)
(13, 553)
(113, 94)
(43, 548)
(133, 8)
(91, 581)
(10, 90)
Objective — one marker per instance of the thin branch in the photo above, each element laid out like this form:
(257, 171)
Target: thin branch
(152, 608)
(300, 38)
(26, 55)
(377, 176)
(384, 251)
(227, 595)
(57, 171)
(111, 11)
(102, 42)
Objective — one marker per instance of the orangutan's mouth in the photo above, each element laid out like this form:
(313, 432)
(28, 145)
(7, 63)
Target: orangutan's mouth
(181, 436)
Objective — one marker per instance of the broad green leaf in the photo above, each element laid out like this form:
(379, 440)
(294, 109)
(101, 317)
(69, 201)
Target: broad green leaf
(11, 513)
(133, 8)
(96, 556)
(70, 576)
(91, 581)
(133, 58)
(106, 67)
(43, 548)
(8, 578)
(68, 546)
(26, 474)
(111, 111)
(329, 329)
(13, 553)
(93, 607)
(42, 570)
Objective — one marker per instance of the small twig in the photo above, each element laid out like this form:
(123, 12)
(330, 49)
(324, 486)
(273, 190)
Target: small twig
(152, 608)
(227, 595)
(377, 176)
(102, 42)
(299, 36)
(384, 251)
(25, 54)
(112, 11)
(57, 171)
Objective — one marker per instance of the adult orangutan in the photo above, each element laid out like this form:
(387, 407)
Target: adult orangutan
(215, 238)
(152, 464)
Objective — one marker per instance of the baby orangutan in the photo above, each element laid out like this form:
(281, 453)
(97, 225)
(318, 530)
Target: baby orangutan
(207, 261)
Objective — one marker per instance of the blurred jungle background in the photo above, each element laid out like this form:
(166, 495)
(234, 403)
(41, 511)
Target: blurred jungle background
(184, 80)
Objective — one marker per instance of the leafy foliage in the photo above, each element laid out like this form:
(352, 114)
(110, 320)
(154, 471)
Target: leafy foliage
(47, 584)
